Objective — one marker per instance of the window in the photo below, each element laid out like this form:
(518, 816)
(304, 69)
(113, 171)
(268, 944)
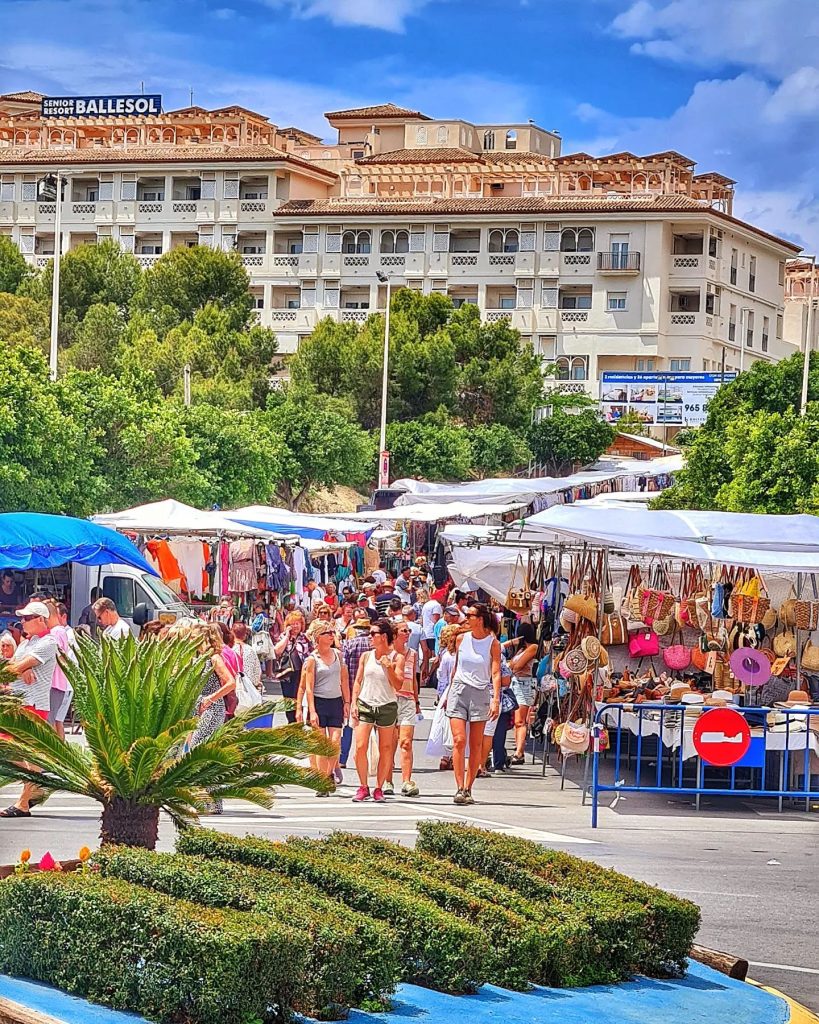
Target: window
(394, 241)
(781, 277)
(766, 326)
(294, 303)
(193, 191)
(733, 273)
(295, 248)
(443, 135)
(121, 591)
(679, 365)
(779, 325)
(357, 305)
(712, 302)
(7, 192)
(616, 300)
(578, 368)
(355, 242)
(577, 240)
(504, 240)
(258, 301)
(714, 240)
(150, 250)
(749, 330)
(732, 324)
(259, 194)
(562, 368)
(153, 196)
(511, 139)
(506, 302)
(250, 250)
(421, 136)
(92, 194)
(358, 154)
(576, 300)
(645, 365)
(489, 140)
(752, 274)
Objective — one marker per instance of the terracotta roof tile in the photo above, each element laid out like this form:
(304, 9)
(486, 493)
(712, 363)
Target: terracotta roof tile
(671, 204)
(92, 155)
(424, 156)
(22, 96)
(380, 110)
(713, 176)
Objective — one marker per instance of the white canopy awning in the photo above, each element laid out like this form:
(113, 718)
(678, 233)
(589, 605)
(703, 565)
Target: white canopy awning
(786, 543)
(489, 567)
(423, 512)
(173, 518)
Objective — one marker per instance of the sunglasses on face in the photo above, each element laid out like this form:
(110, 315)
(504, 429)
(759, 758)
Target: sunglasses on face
(376, 632)
(472, 615)
(28, 618)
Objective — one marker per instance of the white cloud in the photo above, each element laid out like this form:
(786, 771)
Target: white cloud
(389, 15)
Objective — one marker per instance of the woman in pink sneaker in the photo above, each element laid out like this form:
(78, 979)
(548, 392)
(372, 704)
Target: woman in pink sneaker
(375, 706)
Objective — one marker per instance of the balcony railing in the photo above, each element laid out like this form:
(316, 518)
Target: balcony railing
(494, 315)
(42, 261)
(574, 316)
(253, 260)
(253, 206)
(354, 316)
(687, 262)
(150, 206)
(501, 259)
(285, 261)
(283, 316)
(618, 262)
(84, 207)
(576, 259)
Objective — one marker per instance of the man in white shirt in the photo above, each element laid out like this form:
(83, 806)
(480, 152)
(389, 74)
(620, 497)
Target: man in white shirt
(403, 586)
(108, 617)
(431, 612)
(33, 664)
(315, 595)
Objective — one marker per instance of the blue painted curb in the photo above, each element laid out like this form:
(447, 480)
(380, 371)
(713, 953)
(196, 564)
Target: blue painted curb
(703, 996)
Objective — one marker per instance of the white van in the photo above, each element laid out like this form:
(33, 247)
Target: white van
(138, 595)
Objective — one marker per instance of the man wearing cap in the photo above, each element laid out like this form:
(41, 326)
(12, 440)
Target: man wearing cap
(404, 585)
(34, 663)
(451, 617)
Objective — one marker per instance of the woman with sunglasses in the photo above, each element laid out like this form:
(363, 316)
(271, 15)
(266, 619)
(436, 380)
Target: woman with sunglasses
(375, 706)
(474, 695)
(328, 692)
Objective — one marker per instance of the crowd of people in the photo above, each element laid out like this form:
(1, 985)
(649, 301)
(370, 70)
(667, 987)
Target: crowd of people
(351, 664)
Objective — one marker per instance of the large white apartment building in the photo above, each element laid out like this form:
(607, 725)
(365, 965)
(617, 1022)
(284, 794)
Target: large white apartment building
(618, 262)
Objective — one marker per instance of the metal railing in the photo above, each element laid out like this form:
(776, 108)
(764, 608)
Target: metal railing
(618, 261)
(664, 735)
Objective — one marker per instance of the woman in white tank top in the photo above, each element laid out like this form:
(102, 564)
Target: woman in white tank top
(474, 695)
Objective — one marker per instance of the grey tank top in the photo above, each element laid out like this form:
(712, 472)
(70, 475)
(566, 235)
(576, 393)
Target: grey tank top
(328, 677)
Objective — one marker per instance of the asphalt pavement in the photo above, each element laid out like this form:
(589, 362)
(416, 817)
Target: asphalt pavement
(752, 870)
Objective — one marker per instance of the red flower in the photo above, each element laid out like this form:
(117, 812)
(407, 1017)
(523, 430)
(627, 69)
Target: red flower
(47, 862)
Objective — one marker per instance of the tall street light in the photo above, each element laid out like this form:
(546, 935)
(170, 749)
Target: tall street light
(808, 338)
(55, 279)
(383, 454)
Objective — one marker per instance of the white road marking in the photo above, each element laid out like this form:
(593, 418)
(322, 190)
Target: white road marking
(537, 835)
(784, 967)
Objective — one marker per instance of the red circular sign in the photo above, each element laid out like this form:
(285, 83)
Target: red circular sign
(721, 737)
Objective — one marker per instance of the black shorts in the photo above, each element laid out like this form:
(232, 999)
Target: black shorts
(330, 711)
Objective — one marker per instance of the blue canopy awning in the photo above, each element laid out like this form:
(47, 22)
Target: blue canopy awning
(31, 540)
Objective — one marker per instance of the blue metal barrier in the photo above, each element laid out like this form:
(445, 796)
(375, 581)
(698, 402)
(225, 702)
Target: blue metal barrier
(671, 725)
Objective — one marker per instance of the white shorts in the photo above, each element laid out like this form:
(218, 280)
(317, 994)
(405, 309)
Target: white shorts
(406, 711)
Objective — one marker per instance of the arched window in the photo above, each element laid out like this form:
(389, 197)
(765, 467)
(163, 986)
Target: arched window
(568, 240)
(489, 140)
(562, 368)
(458, 186)
(169, 134)
(638, 183)
(496, 240)
(358, 242)
(511, 139)
(387, 241)
(585, 240)
(655, 183)
(421, 136)
(584, 183)
(402, 241)
(443, 135)
(512, 241)
(578, 369)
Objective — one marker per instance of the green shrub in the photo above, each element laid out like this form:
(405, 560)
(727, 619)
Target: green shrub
(438, 949)
(547, 944)
(132, 949)
(642, 928)
(352, 960)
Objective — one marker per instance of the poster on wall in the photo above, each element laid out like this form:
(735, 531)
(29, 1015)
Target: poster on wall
(660, 399)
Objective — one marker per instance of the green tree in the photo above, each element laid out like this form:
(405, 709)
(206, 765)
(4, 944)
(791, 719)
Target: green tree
(23, 322)
(45, 459)
(432, 448)
(97, 340)
(136, 703)
(185, 280)
(97, 272)
(237, 452)
(320, 444)
(565, 440)
(496, 449)
(13, 267)
(754, 453)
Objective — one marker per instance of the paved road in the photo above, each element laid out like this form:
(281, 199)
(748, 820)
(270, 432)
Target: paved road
(754, 872)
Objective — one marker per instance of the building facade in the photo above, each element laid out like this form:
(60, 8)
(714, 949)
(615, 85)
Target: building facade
(618, 262)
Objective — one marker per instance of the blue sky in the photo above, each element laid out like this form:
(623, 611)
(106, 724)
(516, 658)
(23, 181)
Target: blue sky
(734, 84)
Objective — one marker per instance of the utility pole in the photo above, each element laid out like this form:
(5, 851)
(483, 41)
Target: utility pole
(187, 384)
(55, 279)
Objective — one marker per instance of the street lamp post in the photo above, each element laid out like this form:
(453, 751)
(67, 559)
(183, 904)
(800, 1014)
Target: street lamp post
(383, 454)
(55, 280)
(808, 339)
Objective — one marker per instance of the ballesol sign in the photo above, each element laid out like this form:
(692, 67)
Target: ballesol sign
(101, 106)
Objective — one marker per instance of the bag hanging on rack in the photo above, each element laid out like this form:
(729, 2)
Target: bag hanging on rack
(644, 644)
(699, 658)
(519, 599)
(574, 738)
(677, 656)
(614, 632)
(784, 644)
(810, 657)
(806, 614)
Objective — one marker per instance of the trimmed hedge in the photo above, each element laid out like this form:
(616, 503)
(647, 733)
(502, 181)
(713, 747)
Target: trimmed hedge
(352, 960)
(550, 944)
(438, 950)
(642, 928)
(133, 949)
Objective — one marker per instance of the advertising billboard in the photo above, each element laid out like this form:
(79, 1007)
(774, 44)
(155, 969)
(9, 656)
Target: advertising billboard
(101, 106)
(660, 399)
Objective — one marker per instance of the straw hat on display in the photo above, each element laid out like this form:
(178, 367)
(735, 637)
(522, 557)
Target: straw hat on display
(796, 698)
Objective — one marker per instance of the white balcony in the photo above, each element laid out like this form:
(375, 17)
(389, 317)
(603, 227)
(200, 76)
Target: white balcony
(579, 263)
(355, 316)
(147, 260)
(297, 320)
(187, 211)
(688, 265)
(357, 264)
(574, 316)
(519, 319)
(251, 210)
(547, 321)
(690, 323)
(255, 261)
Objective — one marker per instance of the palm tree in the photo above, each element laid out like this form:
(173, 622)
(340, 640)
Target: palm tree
(136, 704)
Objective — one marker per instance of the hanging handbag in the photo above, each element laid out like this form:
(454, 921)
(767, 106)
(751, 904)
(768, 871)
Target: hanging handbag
(806, 614)
(810, 657)
(644, 644)
(574, 738)
(677, 656)
(784, 644)
(519, 599)
(614, 632)
(699, 658)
